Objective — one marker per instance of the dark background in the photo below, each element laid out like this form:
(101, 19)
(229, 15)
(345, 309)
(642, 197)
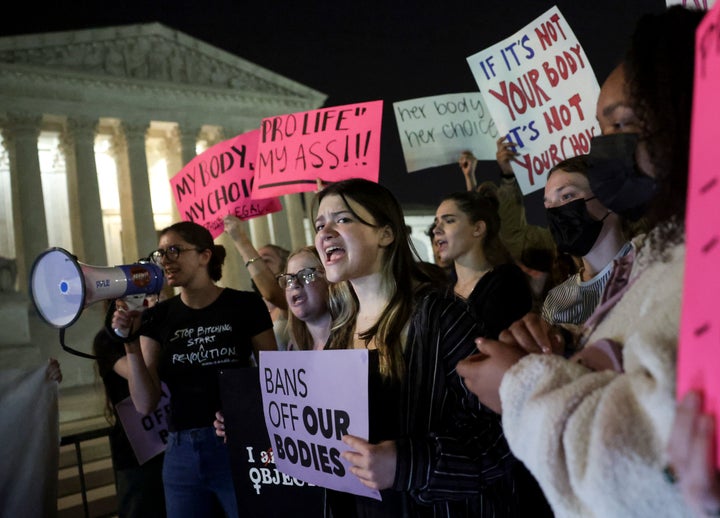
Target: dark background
(364, 51)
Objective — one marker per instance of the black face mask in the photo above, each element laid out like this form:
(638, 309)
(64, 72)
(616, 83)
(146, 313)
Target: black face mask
(615, 178)
(573, 228)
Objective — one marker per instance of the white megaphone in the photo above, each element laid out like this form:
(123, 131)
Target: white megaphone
(61, 287)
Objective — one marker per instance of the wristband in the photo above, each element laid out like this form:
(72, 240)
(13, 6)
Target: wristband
(250, 261)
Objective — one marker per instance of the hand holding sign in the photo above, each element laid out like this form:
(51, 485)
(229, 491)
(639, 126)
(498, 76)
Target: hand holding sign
(373, 464)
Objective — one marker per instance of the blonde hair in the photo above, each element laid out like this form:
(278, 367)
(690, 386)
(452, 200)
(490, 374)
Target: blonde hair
(299, 334)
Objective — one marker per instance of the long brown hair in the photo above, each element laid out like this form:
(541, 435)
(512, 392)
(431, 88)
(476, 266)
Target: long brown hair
(403, 274)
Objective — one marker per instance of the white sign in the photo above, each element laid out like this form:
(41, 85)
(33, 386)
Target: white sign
(541, 92)
(693, 4)
(434, 131)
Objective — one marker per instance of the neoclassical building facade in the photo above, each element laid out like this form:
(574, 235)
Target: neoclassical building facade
(93, 125)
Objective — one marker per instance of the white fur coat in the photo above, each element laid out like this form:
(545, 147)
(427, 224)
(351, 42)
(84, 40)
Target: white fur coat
(595, 441)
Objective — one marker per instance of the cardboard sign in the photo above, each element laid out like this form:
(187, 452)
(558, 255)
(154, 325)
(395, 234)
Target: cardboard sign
(692, 4)
(262, 491)
(699, 351)
(434, 131)
(219, 182)
(147, 433)
(329, 144)
(310, 400)
(541, 92)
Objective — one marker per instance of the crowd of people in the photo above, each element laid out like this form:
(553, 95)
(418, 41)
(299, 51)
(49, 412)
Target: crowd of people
(524, 371)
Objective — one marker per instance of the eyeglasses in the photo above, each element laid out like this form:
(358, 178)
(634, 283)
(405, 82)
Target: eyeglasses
(172, 253)
(299, 279)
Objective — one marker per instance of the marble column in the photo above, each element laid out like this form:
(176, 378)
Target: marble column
(20, 134)
(295, 218)
(134, 186)
(260, 231)
(84, 192)
(182, 143)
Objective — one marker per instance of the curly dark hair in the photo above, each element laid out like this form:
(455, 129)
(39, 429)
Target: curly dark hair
(659, 71)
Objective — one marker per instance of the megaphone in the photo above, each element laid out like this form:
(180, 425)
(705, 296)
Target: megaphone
(61, 287)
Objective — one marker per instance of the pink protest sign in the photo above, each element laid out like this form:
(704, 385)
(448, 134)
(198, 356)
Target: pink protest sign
(329, 144)
(699, 348)
(310, 400)
(147, 434)
(219, 182)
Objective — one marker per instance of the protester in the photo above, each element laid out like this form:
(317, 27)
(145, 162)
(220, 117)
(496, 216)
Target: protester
(582, 227)
(306, 292)
(185, 340)
(263, 266)
(467, 228)
(447, 265)
(432, 450)
(517, 234)
(594, 432)
(531, 246)
(139, 487)
(309, 320)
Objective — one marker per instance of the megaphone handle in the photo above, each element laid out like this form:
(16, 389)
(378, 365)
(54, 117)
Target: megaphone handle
(133, 302)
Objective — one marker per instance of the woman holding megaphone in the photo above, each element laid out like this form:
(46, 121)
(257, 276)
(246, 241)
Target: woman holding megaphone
(185, 340)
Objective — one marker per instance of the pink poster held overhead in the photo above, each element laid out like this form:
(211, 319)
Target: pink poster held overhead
(699, 349)
(329, 144)
(220, 182)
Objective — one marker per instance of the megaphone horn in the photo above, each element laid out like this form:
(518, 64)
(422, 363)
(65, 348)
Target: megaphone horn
(61, 287)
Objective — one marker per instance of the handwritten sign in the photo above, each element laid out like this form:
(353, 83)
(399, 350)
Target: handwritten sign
(147, 434)
(699, 354)
(310, 400)
(541, 92)
(219, 182)
(435, 130)
(262, 491)
(692, 4)
(331, 144)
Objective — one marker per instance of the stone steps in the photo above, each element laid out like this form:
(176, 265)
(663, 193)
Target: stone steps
(82, 409)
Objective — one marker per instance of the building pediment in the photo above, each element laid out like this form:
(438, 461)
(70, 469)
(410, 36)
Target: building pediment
(146, 52)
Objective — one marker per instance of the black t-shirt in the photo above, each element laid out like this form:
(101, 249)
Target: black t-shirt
(197, 343)
(500, 297)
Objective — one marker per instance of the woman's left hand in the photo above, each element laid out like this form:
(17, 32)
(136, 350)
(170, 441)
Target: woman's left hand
(483, 373)
(373, 464)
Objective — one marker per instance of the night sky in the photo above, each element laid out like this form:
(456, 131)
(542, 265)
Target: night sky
(364, 51)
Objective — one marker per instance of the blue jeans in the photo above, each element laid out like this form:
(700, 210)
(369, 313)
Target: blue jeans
(197, 475)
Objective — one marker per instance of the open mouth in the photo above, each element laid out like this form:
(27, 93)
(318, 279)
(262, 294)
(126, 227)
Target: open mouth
(333, 253)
